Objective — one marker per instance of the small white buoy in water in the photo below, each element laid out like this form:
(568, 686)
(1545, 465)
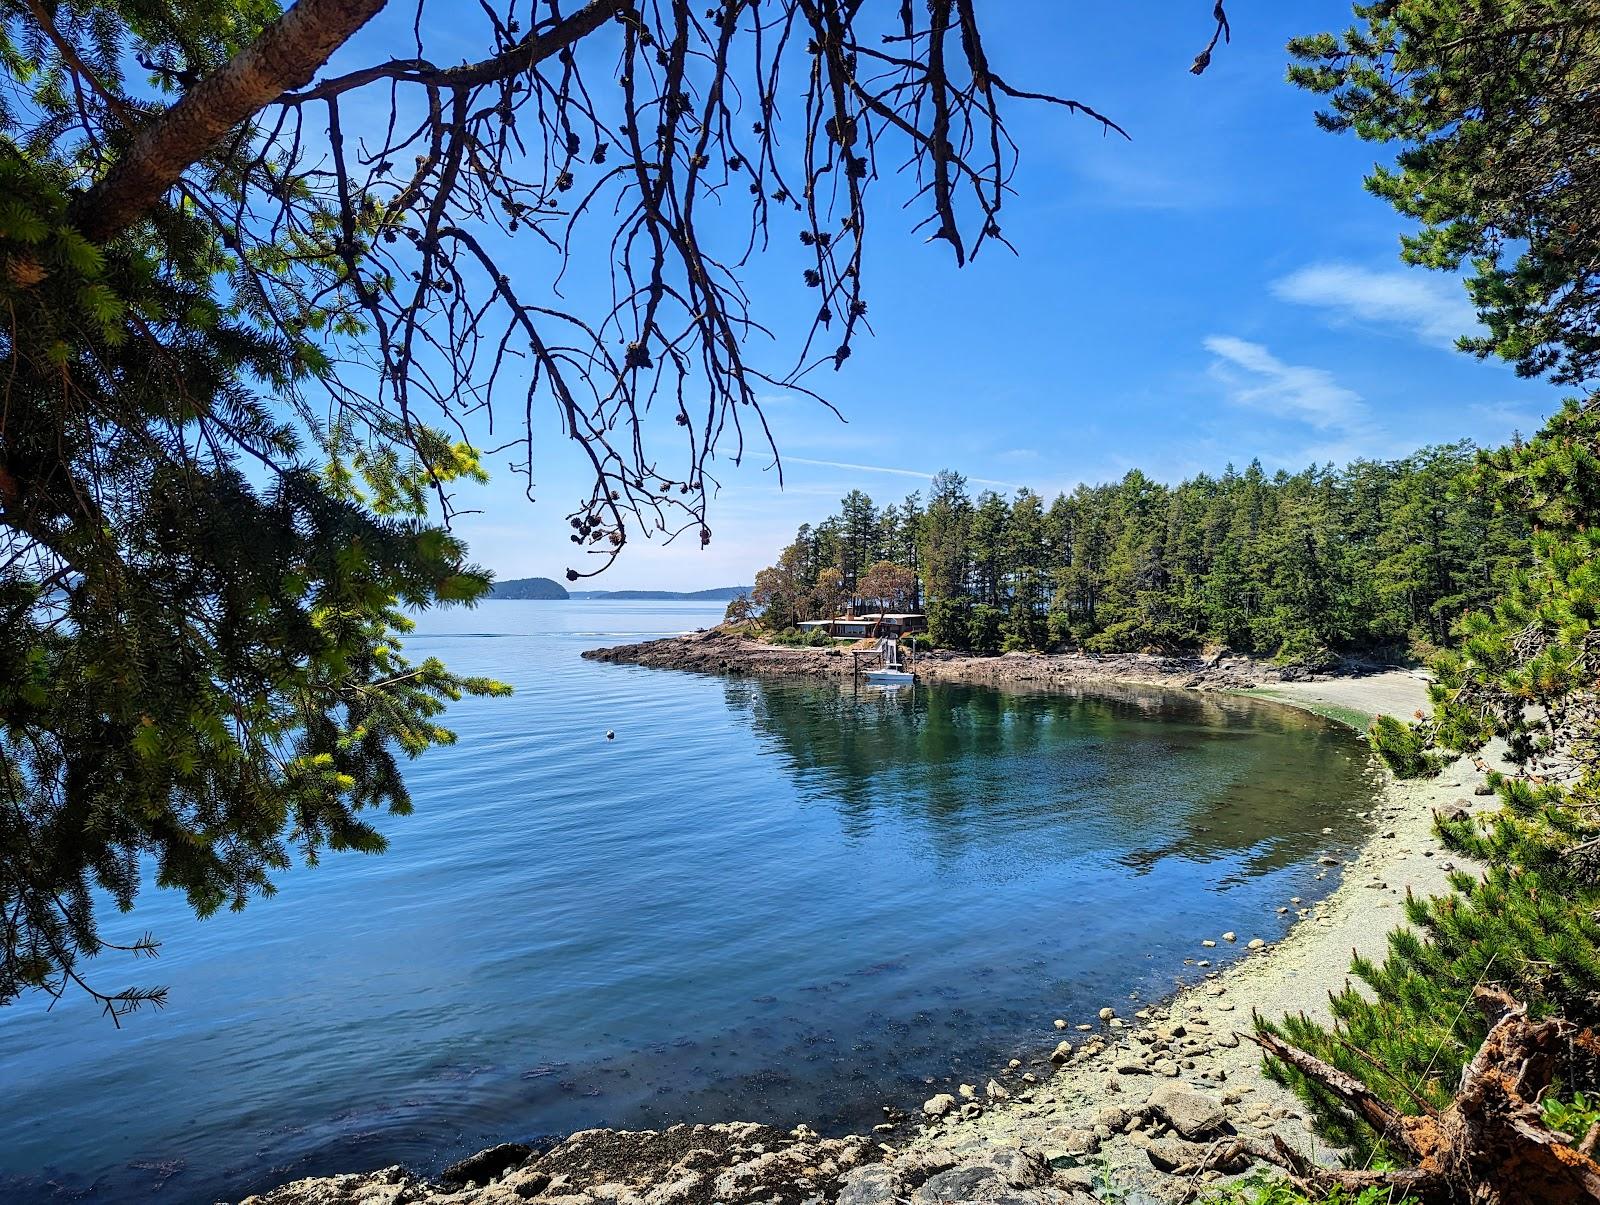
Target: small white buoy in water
(610, 736)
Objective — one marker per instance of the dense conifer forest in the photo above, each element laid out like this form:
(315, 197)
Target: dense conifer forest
(1379, 556)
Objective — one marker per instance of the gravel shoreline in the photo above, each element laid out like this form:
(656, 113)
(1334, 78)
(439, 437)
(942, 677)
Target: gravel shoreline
(1158, 1102)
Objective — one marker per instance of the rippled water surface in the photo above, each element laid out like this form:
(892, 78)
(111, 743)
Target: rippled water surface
(773, 901)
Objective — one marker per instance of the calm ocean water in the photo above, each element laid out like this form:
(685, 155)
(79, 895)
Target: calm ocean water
(769, 901)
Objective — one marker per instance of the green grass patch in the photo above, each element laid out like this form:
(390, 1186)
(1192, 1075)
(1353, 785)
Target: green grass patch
(1351, 717)
(1264, 1190)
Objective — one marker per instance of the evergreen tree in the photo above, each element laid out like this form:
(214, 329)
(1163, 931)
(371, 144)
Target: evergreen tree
(908, 552)
(859, 538)
(944, 537)
(986, 543)
(1494, 105)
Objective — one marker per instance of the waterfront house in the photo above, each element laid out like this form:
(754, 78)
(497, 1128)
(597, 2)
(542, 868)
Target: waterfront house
(893, 623)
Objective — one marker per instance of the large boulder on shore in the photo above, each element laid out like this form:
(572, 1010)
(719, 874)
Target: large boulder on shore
(1177, 1157)
(938, 1106)
(873, 1184)
(1193, 1114)
(1000, 1177)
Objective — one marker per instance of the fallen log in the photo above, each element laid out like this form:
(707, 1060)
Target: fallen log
(1491, 1146)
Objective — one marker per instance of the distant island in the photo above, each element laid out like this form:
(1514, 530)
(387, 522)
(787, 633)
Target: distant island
(544, 588)
(529, 587)
(719, 594)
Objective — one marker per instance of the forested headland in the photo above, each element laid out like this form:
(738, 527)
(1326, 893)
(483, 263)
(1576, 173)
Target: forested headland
(1377, 556)
(528, 587)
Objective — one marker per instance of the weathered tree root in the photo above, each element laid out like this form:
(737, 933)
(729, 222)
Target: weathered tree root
(1490, 1147)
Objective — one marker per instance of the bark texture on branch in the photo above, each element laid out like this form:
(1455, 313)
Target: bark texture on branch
(286, 55)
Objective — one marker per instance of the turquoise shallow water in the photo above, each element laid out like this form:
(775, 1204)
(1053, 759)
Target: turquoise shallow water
(773, 901)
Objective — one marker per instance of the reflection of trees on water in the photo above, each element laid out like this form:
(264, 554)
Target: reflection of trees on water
(1134, 773)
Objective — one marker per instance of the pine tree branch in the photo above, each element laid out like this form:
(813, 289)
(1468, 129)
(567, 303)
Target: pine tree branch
(286, 55)
(69, 56)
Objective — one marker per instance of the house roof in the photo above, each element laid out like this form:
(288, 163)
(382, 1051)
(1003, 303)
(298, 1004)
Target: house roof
(874, 617)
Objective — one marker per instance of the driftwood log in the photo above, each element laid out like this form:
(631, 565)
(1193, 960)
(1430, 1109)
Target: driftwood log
(1491, 1146)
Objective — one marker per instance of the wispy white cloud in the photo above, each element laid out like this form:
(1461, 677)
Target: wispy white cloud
(1118, 180)
(1255, 378)
(879, 468)
(1432, 308)
(1500, 419)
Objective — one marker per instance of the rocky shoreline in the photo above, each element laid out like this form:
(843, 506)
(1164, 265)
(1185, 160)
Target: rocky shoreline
(720, 652)
(1156, 1104)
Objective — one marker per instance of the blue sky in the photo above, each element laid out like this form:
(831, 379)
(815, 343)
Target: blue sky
(1219, 288)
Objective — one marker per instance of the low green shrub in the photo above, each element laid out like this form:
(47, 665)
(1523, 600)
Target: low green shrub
(1576, 1116)
(802, 637)
(949, 622)
(1404, 748)
(1125, 636)
(1023, 630)
(1062, 633)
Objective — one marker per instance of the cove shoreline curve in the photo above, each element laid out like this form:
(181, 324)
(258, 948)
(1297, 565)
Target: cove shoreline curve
(1142, 1097)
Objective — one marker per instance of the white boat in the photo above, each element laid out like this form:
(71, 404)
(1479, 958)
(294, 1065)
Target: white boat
(891, 672)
